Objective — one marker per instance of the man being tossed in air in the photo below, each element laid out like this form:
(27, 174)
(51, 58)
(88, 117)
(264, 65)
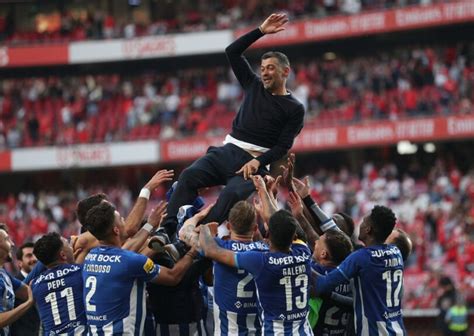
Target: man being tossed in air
(263, 131)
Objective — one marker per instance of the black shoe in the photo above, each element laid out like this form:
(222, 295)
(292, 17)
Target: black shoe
(177, 250)
(158, 241)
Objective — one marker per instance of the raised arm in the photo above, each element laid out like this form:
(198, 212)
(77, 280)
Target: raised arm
(134, 218)
(137, 242)
(242, 69)
(212, 250)
(266, 206)
(325, 222)
(296, 206)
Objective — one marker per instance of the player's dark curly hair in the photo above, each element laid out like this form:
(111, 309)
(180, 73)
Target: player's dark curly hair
(241, 217)
(47, 248)
(282, 228)
(338, 244)
(383, 221)
(86, 204)
(100, 220)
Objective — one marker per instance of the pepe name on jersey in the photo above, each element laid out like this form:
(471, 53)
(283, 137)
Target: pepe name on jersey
(58, 294)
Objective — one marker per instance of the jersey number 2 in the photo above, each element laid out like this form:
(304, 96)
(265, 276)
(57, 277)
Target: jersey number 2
(241, 292)
(91, 283)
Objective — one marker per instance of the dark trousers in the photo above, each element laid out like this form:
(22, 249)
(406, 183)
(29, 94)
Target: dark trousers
(217, 167)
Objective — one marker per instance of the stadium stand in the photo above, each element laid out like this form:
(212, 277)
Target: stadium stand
(78, 21)
(408, 82)
(426, 73)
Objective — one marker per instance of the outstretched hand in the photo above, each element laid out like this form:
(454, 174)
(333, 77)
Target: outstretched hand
(189, 232)
(295, 203)
(302, 188)
(274, 23)
(158, 214)
(288, 172)
(160, 177)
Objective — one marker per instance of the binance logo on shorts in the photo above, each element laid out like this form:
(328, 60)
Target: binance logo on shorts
(149, 265)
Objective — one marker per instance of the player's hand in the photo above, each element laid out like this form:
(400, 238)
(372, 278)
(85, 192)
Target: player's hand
(77, 252)
(213, 228)
(295, 203)
(290, 173)
(301, 187)
(274, 23)
(194, 221)
(249, 168)
(259, 183)
(30, 300)
(190, 229)
(264, 215)
(158, 214)
(273, 184)
(160, 177)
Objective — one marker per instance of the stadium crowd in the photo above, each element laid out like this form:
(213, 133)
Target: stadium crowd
(435, 208)
(407, 82)
(111, 262)
(76, 23)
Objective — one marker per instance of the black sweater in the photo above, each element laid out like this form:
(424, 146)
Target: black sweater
(266, 120)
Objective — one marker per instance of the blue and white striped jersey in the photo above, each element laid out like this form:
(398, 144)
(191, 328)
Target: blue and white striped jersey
(281, 281)
(114, 290)
(235, 300)
(332, 316)
(376, 275)
(8, 286)
(58, 295)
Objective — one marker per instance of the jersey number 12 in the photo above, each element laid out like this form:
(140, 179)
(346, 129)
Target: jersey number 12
(392, 277)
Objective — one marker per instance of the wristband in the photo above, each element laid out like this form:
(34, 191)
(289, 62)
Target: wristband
(145, 193)
(148, 227)
(329, 224)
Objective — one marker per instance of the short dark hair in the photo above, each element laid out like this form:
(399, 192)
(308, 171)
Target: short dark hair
(47, 248)
(403, 242)
(382, 222)
(349, 224)
(282, 228)
(300, 234)
(281, 57)
(100, 220)
(19, 252)
(338, 244)
(241, 217)
(4, 227)
(88, 203)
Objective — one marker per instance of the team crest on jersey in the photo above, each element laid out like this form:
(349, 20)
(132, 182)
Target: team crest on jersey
(149, 265)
